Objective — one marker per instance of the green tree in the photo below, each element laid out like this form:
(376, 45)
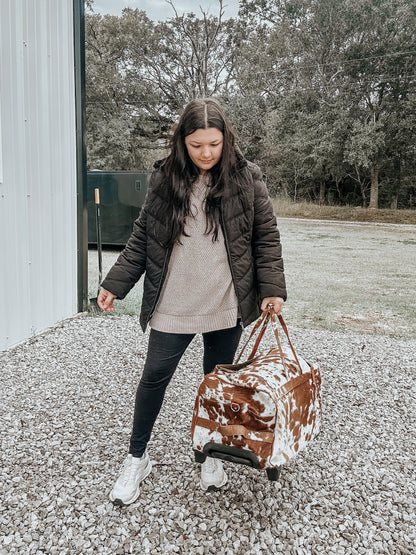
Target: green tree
(141, 74)
(343, 73)
(113, 120)
(321, 91)
(380, 65)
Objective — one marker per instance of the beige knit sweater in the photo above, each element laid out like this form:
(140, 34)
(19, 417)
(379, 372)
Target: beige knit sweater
(198, 294)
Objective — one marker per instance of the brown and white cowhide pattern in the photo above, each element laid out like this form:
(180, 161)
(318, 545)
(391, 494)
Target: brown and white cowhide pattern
(268, 407)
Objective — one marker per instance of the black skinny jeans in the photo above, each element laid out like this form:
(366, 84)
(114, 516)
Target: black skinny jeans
(163, 355)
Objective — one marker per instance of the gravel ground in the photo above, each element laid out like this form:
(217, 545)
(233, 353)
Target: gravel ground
(67, 400)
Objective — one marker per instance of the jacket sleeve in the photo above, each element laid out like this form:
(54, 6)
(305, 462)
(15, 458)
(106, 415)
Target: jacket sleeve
(267, 250)
(131, 264)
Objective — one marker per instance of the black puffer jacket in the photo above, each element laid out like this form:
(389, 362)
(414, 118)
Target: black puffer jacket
(251, 237)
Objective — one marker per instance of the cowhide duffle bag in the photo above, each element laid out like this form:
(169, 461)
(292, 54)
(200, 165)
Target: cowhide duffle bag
(261, 412)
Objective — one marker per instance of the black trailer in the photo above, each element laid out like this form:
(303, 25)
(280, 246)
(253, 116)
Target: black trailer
(122, 194)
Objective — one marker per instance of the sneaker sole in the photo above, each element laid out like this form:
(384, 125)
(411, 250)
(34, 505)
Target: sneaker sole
(119, 502)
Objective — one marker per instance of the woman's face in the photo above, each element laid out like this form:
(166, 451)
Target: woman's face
(205, 147)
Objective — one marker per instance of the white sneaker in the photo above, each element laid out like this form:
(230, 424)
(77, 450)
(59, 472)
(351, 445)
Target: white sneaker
(127, 487)
(212, 474)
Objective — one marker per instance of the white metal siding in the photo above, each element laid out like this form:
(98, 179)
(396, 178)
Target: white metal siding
(38, 222)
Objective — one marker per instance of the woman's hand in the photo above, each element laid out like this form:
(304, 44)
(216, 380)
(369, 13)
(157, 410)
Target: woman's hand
(105, 300)
(277, 303)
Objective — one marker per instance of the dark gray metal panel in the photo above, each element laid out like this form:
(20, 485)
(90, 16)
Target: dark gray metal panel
(122, 194)
(82, 222)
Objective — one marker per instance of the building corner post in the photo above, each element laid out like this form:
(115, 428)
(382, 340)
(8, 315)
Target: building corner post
(81, 169)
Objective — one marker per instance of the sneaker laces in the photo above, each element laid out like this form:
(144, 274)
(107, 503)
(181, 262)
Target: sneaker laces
(128, 470)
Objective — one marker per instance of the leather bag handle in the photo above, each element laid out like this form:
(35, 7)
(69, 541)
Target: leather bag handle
(268, 316)
(282, 323)
(261, 320)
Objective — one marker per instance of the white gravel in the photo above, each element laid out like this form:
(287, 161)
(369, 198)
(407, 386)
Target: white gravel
(67, 402)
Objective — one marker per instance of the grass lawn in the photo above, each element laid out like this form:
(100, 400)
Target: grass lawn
(346, 276)
(340, 276)
(307, 210)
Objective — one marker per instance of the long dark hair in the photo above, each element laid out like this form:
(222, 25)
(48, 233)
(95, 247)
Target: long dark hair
(181, 172)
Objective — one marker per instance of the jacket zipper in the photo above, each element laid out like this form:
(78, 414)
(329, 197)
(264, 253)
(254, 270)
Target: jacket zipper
(162, 280)
(227, 248)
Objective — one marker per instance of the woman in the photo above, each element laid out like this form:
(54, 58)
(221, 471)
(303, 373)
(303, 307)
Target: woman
(208, 243)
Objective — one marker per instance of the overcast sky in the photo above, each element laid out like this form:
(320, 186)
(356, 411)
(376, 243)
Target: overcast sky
(159, 9)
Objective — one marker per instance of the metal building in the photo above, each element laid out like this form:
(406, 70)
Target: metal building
(41, 264)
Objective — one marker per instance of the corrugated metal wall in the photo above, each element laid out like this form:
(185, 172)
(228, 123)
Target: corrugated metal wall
(38, 220)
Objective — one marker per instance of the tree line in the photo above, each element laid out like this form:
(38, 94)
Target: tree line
(321, 92)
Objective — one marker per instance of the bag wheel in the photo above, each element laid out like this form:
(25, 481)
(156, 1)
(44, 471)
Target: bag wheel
(199, 457)
(273, 474)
